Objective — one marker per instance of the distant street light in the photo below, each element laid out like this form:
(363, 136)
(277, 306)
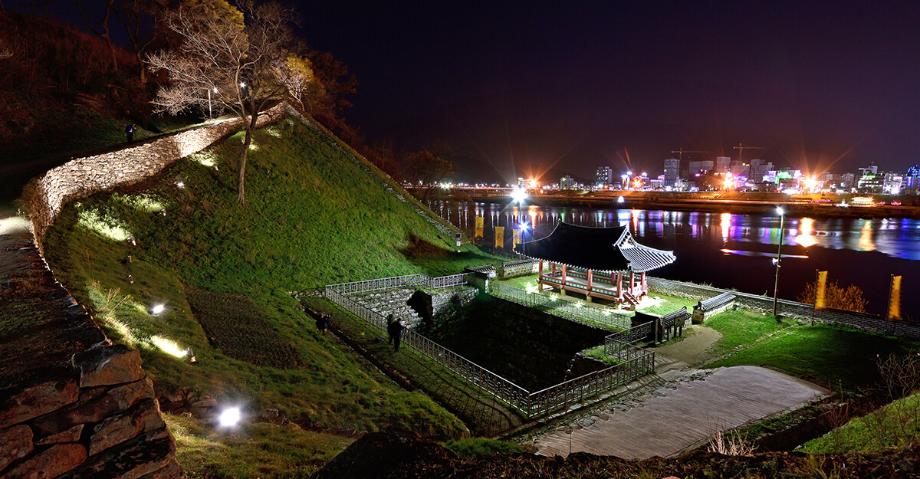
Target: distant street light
(776, 261)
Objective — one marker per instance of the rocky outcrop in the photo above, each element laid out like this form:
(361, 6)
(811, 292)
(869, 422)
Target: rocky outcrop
(70, 401)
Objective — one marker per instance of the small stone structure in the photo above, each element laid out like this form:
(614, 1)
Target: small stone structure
(709, 307)
(71, 402)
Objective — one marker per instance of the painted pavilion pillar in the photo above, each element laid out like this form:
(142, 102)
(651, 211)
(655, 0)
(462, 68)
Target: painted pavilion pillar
(590, 278)
(644, 283)
(562, 288)
(619, 283)
(632, 282)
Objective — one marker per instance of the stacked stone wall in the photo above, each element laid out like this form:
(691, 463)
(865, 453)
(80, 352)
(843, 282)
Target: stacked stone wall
(46, 196)
(72, 403)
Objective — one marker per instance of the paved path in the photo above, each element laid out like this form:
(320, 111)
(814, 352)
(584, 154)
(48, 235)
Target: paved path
(682, 414)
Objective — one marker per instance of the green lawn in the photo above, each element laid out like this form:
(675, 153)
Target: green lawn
(258, 449)
(896, 424)
(740, 327)
(315, 216)
(663, 303)
(833, 357)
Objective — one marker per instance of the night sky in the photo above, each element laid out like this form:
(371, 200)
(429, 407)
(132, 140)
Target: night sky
(528, 86)
(518, 88)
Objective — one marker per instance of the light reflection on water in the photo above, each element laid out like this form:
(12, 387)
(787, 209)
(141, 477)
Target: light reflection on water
(895, 237)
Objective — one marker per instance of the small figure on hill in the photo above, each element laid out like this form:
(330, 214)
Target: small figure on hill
(397, 334)
(390, 332)
(322, 322)
(129, 132)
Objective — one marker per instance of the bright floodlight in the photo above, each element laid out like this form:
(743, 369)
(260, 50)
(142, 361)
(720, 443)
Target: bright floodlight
(157, 308)
(524, 227)
(242, 84)
(229, 417)
(780, 211)
(518, 195)
(621, 200)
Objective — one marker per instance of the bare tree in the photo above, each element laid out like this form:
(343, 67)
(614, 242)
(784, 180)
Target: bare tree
(230, 57)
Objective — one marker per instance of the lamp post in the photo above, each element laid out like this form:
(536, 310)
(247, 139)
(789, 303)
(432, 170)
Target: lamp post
(777, 261)
(210, 115)
(524, 229)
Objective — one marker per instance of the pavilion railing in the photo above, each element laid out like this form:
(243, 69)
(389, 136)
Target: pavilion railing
(562, 308)
(635, 362)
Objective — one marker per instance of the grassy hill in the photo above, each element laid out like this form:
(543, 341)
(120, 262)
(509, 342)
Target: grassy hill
(316, 215)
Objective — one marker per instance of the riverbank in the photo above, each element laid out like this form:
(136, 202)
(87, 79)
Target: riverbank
(814, 206)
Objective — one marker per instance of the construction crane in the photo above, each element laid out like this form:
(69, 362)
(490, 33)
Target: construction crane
(741, 147)
(680, 152)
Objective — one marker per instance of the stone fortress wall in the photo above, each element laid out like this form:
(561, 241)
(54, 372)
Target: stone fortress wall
(82, 177)
(71, 402)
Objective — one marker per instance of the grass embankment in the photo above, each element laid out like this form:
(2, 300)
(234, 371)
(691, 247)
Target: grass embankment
(896, 424)
(315, 216)
(834, 357)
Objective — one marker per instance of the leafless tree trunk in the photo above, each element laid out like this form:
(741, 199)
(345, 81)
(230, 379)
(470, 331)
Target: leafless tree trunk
(232, 58)
(106, 34)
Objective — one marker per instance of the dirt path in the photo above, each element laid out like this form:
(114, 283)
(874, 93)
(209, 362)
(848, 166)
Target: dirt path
(692, 349)
(682, 414)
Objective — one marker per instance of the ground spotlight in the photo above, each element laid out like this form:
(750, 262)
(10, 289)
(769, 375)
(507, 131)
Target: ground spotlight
(229, 417)
(157, 309)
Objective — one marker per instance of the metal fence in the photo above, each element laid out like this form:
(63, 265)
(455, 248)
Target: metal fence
(557, 307)
(636, 363)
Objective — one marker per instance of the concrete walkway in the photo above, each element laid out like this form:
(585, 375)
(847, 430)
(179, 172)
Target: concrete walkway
(685, 413)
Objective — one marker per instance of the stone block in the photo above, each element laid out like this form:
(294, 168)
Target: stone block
(37, 400)
(136, 457)
(15, 443)
(106, 365)
(95, 405)
(51, 462)
(67, 435)
(144, 417)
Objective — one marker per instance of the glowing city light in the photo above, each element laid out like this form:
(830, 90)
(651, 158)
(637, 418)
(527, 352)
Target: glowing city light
(780, 211)
(518, 195)
(180, 184)
(230, 417)
(242, 84)
(533, 183)
(157, 309)
(525, 227)
(621, 200)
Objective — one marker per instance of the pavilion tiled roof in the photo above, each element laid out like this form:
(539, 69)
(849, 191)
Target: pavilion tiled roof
(600, 249)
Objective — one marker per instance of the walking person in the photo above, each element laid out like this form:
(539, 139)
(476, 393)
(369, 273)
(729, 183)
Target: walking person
(129, 132)
(390, 330)
(397, 334)
(322, 322)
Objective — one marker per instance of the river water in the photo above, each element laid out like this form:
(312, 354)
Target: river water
(736, 250)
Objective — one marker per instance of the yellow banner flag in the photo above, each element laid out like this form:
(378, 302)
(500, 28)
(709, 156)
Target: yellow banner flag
(894, 299)
(499, 237)
(480, 223)
(821, 291)
(516, 238)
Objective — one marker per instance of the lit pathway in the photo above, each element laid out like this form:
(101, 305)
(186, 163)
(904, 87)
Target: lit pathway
(684, 414)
